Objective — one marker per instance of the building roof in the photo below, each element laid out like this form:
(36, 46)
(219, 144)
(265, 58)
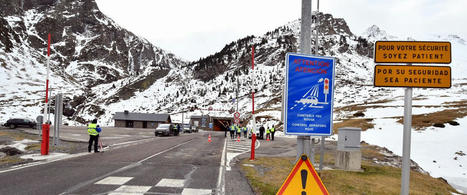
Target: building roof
(198, 116)
(141, 117)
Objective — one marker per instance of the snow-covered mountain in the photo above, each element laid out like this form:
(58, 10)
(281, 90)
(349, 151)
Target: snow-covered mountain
(93, 60)
(374, 33)
(102, 68)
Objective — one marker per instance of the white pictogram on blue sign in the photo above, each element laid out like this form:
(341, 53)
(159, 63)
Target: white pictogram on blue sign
(311, 98)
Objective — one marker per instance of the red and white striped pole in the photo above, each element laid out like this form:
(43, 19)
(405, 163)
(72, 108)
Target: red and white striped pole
(46, 125)
(253, 136)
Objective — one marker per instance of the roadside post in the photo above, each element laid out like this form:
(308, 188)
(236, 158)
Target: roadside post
(58, 118)
(46, 125)
(253, 130)
(410, 77)
(39, 121)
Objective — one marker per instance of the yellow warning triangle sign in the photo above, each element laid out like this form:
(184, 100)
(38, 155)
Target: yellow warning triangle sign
(303, 180)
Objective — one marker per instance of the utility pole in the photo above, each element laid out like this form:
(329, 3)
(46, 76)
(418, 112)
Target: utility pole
(321, 156)
(236, 95)
(303, 142)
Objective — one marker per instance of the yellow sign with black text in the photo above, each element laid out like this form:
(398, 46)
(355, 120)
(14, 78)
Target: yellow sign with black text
(412, 52)
(303, 179)
(412, 76)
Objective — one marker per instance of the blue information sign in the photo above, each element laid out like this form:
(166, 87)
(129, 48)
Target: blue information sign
(308, 95)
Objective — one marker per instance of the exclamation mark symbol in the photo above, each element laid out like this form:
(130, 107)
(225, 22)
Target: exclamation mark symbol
(304, 174)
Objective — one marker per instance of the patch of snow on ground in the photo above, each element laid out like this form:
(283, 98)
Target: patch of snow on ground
(433, 149)
(21, 145)
(39, 157)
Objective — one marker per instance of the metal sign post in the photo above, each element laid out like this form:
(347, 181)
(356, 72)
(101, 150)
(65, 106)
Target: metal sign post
(58, 118)
(305, 48)
(406, 141)
(411, 76)
(326, 87)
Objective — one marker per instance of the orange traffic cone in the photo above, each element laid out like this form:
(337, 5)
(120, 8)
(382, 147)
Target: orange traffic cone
(238, 138)
(267, 138)
(209, 138)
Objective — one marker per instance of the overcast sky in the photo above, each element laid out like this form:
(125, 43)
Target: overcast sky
(196, 28)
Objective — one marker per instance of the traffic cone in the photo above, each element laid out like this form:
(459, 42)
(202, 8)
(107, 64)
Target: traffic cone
(238, 138)
(267, 138)
(209, 138)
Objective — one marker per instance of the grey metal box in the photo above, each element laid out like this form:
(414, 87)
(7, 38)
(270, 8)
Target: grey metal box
(349, 139)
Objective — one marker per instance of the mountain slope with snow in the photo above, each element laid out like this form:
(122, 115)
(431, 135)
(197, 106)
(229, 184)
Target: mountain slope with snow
(93, 60)
(102, 69)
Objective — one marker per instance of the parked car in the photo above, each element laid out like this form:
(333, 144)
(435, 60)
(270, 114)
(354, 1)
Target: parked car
(187, 128)
(20, 122)
(257, 132)
(166, 129)
(194, 128)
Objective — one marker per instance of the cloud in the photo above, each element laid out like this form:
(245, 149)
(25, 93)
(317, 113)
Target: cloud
(194, 29)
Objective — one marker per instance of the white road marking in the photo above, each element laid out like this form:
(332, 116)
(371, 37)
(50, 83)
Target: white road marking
(114, 180)
(221, 179)
(130, 166)
(190, 191)
(130, 190)
(230, 156)
(174, 183)
(234, 149)
(13, 168)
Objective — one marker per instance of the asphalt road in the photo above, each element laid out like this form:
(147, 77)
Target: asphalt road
(109, 135)
(186, 164)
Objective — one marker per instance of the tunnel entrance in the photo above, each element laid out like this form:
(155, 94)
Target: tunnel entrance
(221, 124)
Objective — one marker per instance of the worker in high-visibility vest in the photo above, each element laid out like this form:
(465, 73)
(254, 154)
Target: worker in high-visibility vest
(239, 131)
(93, 131)
(272, 132)
(268, 133)
(232, 131)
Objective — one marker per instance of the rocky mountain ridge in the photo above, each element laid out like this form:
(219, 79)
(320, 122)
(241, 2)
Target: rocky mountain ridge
(102, 68)
(88, 50)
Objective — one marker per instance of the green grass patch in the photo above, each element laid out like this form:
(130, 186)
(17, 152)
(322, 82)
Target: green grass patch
(17, 135)
(268, 173)
(364, 124)
(422, 121)
(11, 160)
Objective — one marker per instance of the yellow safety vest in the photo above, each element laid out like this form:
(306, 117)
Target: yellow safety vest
(272, 130)
(238, 129)
(92, 129)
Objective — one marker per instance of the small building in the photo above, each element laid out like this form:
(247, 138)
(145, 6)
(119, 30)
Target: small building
(140, 120)
(200, 121)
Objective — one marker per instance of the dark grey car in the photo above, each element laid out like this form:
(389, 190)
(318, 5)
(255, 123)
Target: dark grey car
(166, 129)
(20, 122)
(187, 128)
